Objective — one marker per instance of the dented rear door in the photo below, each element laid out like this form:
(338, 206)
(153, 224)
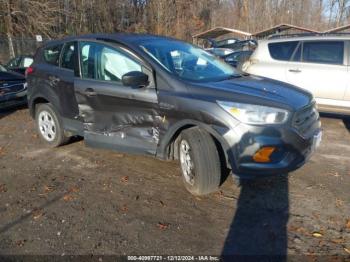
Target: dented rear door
(115, 116)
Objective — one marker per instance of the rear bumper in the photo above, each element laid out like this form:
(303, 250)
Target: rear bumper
(292, 152)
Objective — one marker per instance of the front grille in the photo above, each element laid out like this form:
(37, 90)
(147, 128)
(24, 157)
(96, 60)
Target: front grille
(305, 120)
(10, 88)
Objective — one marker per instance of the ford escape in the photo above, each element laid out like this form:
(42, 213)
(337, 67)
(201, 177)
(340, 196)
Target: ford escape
(166, 98)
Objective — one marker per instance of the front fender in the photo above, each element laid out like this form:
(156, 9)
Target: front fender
(174, 130)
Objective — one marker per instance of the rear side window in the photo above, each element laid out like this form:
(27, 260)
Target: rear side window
(324, 52)
(282, 51)
(52, 54)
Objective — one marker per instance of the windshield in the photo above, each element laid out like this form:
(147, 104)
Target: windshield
(188, 62)
(2, 69)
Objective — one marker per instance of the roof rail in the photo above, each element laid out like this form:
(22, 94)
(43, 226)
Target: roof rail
(307, 34)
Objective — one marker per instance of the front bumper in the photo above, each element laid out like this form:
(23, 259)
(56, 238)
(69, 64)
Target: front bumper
(293, 149)
(13, 100)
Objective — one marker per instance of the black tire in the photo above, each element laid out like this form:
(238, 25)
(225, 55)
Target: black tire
(59, 138)
(206, 171)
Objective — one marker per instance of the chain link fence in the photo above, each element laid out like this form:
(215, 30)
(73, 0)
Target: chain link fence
(21, 46)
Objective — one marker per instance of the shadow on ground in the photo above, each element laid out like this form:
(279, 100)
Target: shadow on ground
(345, 119)
(19, 220)
(346, 122)
(259, 226)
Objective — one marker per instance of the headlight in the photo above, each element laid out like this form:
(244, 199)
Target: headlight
(255, 114)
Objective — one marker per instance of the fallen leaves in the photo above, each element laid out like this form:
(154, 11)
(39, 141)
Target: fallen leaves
(124, 179)
(37, 213)
(119, 155)
(335, 174)
(317, 234)
(48, 189)
(74, 189)
(124, 208)
(348, 224)
(163, 226)
(20, 243)
(3, 188)
(2, 151)
(68, 197)
(221, 194)
(300, 230)
(338, 241)
(339, 202)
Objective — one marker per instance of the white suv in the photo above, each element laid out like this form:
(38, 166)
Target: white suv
(319, 64)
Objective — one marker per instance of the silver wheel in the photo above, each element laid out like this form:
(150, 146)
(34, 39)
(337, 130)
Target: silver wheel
(47, 126)
(186, 162)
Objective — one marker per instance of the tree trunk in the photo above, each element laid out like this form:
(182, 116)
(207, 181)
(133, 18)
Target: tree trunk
(9, 29)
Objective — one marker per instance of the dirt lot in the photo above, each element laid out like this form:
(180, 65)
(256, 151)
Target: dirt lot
(78, 200)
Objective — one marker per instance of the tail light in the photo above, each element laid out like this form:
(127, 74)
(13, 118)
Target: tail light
(29, 71)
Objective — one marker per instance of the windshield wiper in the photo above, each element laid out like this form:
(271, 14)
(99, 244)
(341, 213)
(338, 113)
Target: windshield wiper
(233, 76)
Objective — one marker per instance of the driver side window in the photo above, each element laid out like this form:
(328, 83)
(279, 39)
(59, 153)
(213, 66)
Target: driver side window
(105, 63)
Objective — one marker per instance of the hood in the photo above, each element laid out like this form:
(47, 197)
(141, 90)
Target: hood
(255, 90)
(10, 76)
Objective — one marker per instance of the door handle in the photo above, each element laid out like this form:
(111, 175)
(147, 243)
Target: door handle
(90, 92)
(294, 70)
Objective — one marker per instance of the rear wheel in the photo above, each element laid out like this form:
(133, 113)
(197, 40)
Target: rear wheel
(49, 126)
(200, 162)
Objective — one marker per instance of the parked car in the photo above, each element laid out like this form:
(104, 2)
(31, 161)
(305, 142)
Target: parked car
(219, 43)
(123, 92)
(236, 59)
(243, 45)
(19, 64)
(319, 64)
(226, 41)
(13, 91)
(220, 52)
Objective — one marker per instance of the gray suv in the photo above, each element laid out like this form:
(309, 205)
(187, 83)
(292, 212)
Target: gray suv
(169, 99)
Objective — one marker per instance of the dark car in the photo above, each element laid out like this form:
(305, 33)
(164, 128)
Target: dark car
(19, 64)
(212, 43)
(236, 59)
(124, 92)
(13, 91)
(219, 52)
(243, 45)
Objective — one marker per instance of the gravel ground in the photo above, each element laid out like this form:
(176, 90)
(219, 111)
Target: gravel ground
(78, 200)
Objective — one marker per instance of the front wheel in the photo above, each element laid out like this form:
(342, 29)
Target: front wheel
(200, 162)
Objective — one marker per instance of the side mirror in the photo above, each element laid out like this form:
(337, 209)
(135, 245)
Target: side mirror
(135, 79)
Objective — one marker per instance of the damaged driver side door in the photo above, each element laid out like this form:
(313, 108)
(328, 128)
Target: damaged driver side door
(115, 116)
